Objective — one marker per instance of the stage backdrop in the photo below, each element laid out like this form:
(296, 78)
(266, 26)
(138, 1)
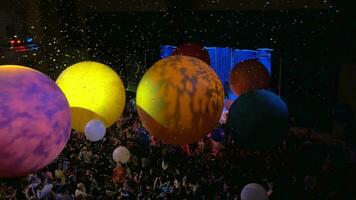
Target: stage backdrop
(223, 59)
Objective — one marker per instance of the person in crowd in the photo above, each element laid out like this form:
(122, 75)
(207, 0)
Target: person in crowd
(301, 168)
(80, 192)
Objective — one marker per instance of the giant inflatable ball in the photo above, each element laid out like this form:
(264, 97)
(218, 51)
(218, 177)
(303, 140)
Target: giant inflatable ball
(248, 75)
(35, 121)
(194, 50)
(258, 120)
(94, 91)
(253, 191)
(179, 100)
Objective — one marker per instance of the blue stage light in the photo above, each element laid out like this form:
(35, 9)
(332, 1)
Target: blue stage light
(167, 50)
(29, 40)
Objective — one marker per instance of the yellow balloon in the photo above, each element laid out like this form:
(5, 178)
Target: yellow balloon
(94, 91)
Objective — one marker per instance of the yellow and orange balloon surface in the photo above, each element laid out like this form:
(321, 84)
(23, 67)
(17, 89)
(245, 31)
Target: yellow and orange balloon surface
(94, 91)
(180, 100)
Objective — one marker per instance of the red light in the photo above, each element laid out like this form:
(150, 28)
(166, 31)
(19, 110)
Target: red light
(12, 41)
(18, 41)
(21, 49)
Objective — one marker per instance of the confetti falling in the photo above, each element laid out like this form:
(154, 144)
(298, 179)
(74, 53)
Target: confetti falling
(126, 36)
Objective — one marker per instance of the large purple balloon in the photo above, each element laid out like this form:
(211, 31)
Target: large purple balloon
(35, 121)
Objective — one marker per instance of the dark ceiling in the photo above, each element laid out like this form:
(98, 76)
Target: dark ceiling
(160, 5)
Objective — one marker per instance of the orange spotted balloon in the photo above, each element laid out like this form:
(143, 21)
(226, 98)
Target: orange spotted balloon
(180, 100)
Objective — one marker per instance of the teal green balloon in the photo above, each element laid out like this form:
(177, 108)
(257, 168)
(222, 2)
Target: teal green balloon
(258, 119)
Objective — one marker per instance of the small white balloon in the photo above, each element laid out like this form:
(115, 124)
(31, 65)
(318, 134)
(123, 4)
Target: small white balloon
(121, 154)
(95, 130)
(254, 191)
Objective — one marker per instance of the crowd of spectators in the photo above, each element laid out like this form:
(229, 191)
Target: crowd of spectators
(301, 168)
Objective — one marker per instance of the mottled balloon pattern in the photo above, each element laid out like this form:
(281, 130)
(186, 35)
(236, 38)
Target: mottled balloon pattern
(180, 100)
(35, 121)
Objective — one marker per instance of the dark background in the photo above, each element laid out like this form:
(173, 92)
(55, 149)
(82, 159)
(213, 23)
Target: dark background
(311, 41)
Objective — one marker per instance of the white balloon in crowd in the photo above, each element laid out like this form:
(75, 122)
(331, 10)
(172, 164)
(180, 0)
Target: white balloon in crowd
(253, 191)
(95, 130)
(121, 154)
